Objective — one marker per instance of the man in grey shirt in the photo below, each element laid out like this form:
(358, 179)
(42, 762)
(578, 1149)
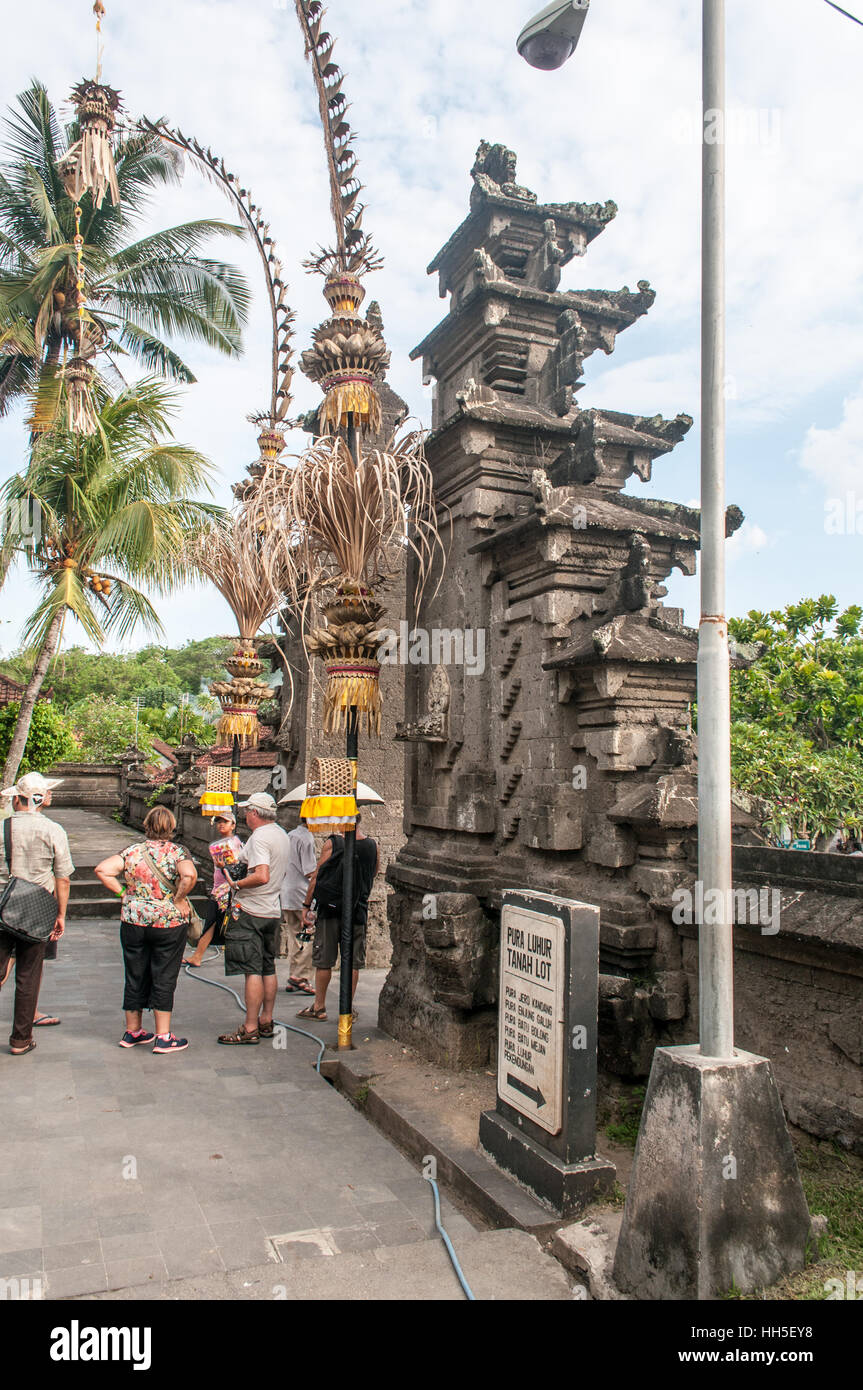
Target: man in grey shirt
(40, 855)
(252, 938)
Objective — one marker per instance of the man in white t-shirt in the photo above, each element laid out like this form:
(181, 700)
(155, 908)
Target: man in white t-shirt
(252, 937)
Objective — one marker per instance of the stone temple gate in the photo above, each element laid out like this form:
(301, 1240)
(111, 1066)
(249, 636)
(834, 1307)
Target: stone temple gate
(548, 737)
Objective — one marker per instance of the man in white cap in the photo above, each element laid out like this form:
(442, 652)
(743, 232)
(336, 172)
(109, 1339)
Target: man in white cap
(40, 855)
(252, 939)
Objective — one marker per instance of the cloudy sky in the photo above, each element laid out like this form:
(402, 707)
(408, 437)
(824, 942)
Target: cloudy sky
(427, 82)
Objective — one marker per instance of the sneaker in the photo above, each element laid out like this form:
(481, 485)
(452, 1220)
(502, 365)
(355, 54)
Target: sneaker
(169, 1043)
(135, 1039)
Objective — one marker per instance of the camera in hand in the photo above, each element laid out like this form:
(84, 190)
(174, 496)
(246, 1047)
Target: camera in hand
(235, 871)
(306, 933)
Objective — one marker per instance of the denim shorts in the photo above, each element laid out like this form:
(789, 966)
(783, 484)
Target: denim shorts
(251, 944)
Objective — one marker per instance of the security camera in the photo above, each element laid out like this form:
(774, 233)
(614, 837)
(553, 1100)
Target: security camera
(551, 36)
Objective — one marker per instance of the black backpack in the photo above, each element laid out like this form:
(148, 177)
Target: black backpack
(328, 884)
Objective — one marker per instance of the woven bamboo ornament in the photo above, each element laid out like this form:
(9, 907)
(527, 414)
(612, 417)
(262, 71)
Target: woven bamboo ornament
(217, 793)
(88, 167)
(241, 697)
(330, 805)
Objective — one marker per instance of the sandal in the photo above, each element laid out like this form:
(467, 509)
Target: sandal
(320, 1015)
(45, 1021)
(267, 1030)
(22, 1051)
(295, 986)
(241, 1036)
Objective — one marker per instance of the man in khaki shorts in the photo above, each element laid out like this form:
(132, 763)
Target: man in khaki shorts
(301, 865)
(325, 891)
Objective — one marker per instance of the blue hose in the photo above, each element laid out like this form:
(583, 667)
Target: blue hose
(469, 1294)
(290, 1027)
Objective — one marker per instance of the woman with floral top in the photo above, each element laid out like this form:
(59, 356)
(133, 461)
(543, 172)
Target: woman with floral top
(154, 879)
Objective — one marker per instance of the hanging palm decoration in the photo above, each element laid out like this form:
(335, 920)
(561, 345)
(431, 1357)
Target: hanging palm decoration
(88, 167)
(344, 517)
(349, 356)
(349, 514)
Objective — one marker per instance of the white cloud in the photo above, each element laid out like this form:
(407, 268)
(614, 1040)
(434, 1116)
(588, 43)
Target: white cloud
(749, 540)
(427, 82)
(835, 456)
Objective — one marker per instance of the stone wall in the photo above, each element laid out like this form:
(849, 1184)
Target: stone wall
(92, 786)
(567, 763)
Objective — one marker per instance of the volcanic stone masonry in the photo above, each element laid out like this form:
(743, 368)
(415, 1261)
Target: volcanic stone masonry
(560, 756)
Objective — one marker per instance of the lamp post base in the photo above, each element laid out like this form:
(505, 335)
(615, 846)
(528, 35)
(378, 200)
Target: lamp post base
(715, 1199)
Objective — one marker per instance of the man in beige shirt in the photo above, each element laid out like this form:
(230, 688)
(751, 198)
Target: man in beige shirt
(40, 855)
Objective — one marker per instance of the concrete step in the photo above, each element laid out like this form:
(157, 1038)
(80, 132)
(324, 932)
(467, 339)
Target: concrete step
(93, 901)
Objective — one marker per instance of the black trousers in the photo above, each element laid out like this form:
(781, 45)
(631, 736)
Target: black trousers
(29, 956)
(152, 957)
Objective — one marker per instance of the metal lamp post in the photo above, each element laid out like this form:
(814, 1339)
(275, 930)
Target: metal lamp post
(727, 1114)
(547, 42)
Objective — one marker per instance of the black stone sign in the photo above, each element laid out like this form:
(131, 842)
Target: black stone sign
(544, 1129)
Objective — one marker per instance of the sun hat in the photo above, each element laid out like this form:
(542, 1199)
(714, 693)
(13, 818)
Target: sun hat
(259, 801)
(32, 784)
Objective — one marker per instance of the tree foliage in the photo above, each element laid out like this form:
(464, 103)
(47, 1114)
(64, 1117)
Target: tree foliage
(797, 715)
(808, 674)
(77, 673)
(810, 791)
(105, 728)
(51, 738)
(141, 294)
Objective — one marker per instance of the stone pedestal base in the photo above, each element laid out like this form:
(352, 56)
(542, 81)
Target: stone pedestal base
(566, 1187)
(715, 1199)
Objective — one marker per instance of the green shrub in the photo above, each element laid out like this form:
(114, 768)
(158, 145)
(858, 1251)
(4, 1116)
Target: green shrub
(104, 728)
(51, 739)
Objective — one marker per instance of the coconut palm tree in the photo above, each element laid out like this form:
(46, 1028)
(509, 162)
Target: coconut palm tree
(116, 511)
(137, 294)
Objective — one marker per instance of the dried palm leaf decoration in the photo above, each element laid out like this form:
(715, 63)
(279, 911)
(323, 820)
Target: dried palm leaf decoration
(230, 555)
(88, 167)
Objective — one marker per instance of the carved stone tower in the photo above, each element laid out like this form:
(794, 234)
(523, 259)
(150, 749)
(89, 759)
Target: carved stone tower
(548, 726)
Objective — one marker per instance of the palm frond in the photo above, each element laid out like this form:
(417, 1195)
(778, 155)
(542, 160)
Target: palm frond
(128, 608)
(153, 354)
(64, 593)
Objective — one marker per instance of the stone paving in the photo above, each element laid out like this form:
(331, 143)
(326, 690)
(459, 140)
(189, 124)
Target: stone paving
(128, 1174)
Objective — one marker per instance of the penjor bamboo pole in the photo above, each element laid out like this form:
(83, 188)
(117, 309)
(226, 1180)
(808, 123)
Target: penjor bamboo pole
(235, 771)
(346, 945)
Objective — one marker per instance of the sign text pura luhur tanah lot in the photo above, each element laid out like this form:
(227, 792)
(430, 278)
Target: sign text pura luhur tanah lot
(531, 1041)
